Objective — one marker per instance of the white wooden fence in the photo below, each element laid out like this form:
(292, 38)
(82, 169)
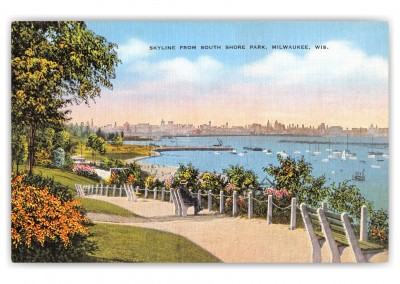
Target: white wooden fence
(132, 194)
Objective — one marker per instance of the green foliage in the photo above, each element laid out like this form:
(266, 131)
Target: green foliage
(54, 64)
(347, 198)
(188, 173)
(58, 158)
(379, 227)
(296, 177)
(107, 164)
(96, 144)
(55, 188)
(213, 182)
(241, 178)
(117, 140)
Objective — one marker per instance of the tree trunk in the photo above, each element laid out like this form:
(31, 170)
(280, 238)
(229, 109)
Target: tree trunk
(31, 147)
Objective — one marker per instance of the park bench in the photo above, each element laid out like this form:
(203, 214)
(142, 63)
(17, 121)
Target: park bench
(79, 190)
(177, 206)
(338, 231)
(130, 193)
(184, 204)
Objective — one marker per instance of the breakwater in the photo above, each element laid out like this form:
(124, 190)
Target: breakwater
(192, 148)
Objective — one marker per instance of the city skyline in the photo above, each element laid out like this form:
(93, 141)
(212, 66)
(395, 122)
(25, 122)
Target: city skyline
(345, 83)
(167, 128)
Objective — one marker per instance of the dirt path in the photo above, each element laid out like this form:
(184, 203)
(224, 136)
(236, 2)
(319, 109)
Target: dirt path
(232, 240)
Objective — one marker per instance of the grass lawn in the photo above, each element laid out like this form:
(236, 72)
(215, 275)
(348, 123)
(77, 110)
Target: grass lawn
(99, 206)
(119, 152)
(119, 243)
(64, 177)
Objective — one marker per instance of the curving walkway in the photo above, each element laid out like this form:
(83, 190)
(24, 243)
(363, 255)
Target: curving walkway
(232, 240)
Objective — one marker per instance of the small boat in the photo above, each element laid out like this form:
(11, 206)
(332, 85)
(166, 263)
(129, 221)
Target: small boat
(297, 152)
(385, 156)
(325, 160)
(363, 162)
(375, 166)
(371, 156)
(333, 172)
(283, 154)
(217, 153)
(308, 151)
(336, 152)
(316, 153)
(234, 152)
(380, 160)
(353, 158)
(359, 176)
(241, 154)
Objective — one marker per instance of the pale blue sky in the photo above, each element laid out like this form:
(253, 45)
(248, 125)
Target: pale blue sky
(347, 84)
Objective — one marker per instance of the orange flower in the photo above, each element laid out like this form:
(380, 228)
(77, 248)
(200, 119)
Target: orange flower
(37, 215)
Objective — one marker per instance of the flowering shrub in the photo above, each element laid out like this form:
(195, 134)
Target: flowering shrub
(149, 182)
(45, 227)
(278, 194)
(86, 171)
(229, 188)
(213, 182)
(131, 179)
(168, 182)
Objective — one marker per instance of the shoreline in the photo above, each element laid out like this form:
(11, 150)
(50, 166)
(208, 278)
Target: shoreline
(160, 172)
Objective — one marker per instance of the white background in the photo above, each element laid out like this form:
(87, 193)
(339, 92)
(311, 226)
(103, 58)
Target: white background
(200, 10)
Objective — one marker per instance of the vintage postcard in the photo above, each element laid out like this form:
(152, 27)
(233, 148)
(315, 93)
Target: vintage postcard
(200, 141)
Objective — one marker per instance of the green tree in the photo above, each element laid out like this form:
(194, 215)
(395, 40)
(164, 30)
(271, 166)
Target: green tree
(58, 158)
(117, 141)
(241, 178)
(345, 197)
(96, 144)
(296, 177)
(53, 65)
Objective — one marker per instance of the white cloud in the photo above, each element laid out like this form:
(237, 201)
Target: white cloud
(342, 66)
(180, 70)
(134, 49)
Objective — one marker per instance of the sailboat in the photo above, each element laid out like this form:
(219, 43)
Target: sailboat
(317, 152)
(344, 155)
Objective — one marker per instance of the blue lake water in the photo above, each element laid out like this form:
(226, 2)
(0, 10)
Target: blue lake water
(319, 154)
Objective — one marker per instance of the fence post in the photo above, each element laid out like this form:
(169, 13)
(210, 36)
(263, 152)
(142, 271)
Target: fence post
(101, 190)
(199, 197)
(155, 193)
(170, 195)
(120, 191)
(209, 200)
(97, 188)
(269, 212)
(163, 194)
(250, 211)
(114, 190)
(293, 214)
(221, 202)
(325, 206)
(146, 192)
(234, 204)
(107, 190)
(364, 224)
